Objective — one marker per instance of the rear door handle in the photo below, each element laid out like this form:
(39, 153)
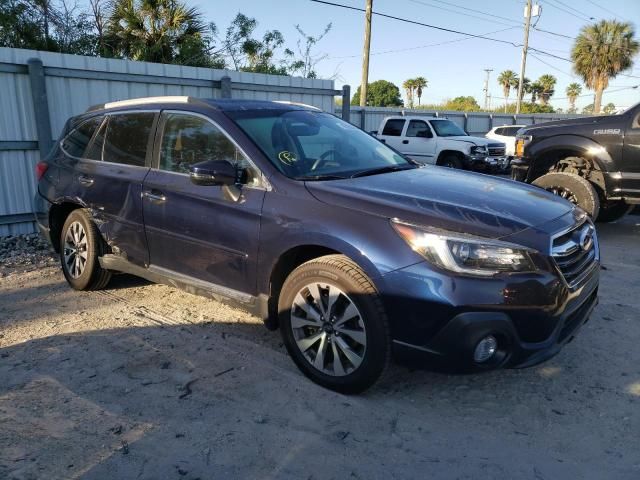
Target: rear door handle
(85, 180)
(154, 196)
(405, 141)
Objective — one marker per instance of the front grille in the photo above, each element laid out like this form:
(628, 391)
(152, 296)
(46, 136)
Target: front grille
(496, 150)
(575, 253)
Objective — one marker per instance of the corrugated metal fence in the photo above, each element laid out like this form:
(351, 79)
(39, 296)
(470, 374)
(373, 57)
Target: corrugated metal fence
(474, 123)
(37, 97)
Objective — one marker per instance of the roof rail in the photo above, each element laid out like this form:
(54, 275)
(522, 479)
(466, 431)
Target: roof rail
(142, 101)
(287, 102)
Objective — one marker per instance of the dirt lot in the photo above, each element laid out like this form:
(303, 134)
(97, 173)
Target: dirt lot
(144, 381)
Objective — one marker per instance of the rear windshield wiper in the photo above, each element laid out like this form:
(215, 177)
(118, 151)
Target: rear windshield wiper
(387, 169)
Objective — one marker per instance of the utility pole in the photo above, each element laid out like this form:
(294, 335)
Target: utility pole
(486, 88)
(365, 54)
(525, 47)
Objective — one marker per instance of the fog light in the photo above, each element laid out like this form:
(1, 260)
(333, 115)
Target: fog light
(485, 349)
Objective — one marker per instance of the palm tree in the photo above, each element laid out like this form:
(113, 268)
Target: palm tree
(154, 30)
(548, 88)
(506, 80)
(409, 85)
(526, 87)
(573, 91)
(601, 51)
(420, 83)
(535, 89)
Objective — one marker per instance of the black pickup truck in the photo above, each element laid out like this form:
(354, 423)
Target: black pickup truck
(592, 161)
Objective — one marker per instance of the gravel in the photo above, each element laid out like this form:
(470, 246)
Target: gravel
(25, 253)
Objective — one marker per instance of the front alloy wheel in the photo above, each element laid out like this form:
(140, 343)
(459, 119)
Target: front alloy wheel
(334, 325)
(328, 329)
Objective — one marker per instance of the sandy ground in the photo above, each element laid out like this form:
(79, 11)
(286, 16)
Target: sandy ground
(145, 381)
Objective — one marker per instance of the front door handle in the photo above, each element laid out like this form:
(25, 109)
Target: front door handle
(405, 141)
(154, 196)
(85, 180)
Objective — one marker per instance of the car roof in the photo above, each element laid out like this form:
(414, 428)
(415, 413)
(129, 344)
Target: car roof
(227, 105)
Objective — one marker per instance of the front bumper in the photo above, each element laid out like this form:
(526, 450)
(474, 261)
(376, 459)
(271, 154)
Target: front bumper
(483, 163)
(442, 317)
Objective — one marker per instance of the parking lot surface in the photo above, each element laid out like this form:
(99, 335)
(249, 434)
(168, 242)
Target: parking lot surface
(146, 381)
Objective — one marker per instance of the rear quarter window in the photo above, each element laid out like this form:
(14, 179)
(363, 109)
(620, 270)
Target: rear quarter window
(77, 142)
(127, 137)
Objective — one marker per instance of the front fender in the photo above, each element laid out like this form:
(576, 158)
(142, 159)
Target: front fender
(582, 146)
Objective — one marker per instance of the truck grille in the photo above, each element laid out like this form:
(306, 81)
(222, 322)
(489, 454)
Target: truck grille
(496, 150)
(575, 253)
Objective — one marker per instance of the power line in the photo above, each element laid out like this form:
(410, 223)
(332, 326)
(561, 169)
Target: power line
(553, 66)
(582, 17)
(605, 9)
(492, 20)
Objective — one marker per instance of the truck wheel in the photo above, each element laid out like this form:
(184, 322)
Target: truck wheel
(80, 247)
(572, 187)
(451, 161)
(612, 210)
(334, 325)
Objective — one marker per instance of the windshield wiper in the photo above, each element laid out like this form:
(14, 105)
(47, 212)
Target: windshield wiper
(320, 177)
(387, 169)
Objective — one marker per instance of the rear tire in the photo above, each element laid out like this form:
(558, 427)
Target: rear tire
(334, 325)
(613, 210)
(573, 188)
(80, 247)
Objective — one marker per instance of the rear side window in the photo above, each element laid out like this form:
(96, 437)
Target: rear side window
(76, 143)
(511, 131)
(393, 127)
(499, 131)
(127, 136)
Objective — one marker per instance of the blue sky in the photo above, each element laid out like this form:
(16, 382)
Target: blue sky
(452, 69)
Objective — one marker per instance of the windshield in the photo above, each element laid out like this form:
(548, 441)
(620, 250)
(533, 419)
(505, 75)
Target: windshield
(446, 128)
(316, 146)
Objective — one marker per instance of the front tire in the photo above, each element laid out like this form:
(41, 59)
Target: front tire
(334, 325)
(613, 210)
(451, 161)
(80, 247)
(573, 188)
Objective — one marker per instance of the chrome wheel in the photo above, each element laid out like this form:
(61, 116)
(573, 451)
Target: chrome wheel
(328, 329)
(75, 249)
(564, 193)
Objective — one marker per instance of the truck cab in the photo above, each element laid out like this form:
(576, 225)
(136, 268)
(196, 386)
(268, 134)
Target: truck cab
(440, 141)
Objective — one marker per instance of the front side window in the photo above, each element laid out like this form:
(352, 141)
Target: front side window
(393, 127)
(127, 137)
(419, 128)
(446, 128)
(189, 139)
(77, 142)
(309, 145)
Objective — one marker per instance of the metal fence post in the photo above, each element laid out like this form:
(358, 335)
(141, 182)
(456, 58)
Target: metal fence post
(40, 105)
(225, 87)
(346, 103)
(363, 117)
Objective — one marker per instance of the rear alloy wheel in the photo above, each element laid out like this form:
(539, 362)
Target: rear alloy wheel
(573, 188)
(80, 247)
(613, 210)
(333, 324)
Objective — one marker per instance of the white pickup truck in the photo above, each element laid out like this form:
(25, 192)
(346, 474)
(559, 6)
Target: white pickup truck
(440, 141)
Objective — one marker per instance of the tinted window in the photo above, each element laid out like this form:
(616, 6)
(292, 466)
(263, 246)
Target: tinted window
(127, 137)
(499, 131)
(188, 139)
(393, 128)
(94, 149)
(446, 128)
(75, 144)
(418, 128)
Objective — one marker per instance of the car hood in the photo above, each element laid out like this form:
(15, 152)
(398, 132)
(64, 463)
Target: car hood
(479, 141)
(572, 122)
(445, 198)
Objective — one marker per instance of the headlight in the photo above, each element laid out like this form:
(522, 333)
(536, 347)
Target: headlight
(465, 254)
(479, 150)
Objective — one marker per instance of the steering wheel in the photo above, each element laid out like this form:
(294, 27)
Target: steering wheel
(323, 159)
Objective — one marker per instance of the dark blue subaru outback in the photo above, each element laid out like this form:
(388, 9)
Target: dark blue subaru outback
(351, 249)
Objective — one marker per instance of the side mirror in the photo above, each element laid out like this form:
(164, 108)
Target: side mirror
(213, 172)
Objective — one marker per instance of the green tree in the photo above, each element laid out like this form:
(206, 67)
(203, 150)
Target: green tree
(588, 110)
(507, 80)
(527, 107)
(462, 104)
(420, 84)
(535, 90)
(601, 51)
(573, 91)
(609, 109)
(164, 31)
(380, 93)
(409, 86)
(526, 87)
(547, 88)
